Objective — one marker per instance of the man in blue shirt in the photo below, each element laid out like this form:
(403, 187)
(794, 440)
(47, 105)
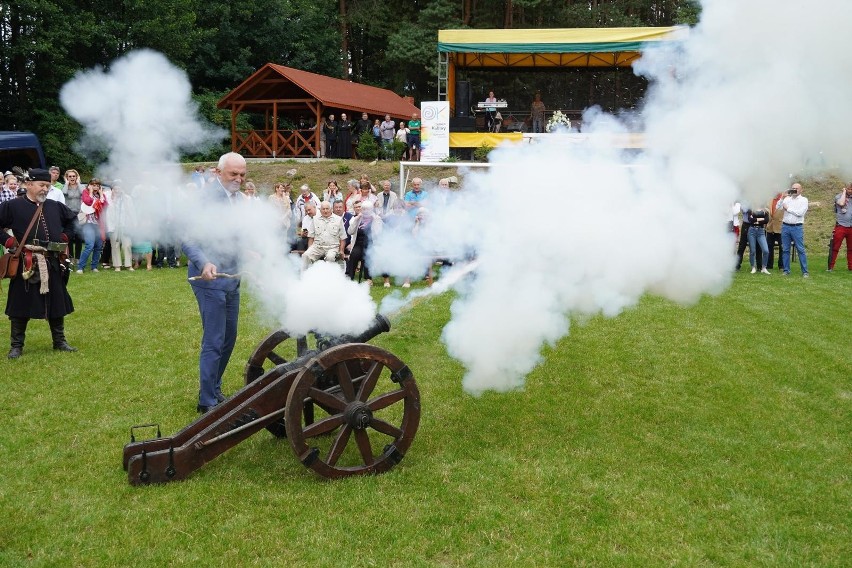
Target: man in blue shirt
(414, 198)
(218, 298)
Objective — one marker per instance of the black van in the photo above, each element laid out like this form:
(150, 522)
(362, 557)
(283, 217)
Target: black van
(20, 149)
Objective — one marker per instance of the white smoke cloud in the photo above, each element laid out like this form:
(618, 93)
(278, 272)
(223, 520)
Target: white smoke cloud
(141, 111)
(141, 114)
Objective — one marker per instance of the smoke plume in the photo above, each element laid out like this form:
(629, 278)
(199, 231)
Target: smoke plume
(141, 115)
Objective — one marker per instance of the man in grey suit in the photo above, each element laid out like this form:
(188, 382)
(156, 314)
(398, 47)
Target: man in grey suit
(386, 199)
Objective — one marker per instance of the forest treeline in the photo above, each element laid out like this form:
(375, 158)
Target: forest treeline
(390, 44)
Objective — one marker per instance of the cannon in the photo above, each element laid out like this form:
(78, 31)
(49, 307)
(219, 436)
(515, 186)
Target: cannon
(346, 408)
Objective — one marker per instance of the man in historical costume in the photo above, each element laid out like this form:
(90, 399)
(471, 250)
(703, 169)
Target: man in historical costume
(38, 291)
(218, 298)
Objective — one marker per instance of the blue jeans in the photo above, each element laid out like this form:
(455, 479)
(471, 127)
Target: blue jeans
(796, 234)
(757, 235)
(93, 245)
(220, 310)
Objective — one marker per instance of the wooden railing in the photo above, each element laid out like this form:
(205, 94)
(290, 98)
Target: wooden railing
(275, 143)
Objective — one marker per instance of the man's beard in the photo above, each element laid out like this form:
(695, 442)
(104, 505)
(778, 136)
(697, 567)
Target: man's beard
(41, 197)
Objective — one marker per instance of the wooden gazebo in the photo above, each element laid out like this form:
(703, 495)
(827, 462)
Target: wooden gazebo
(278, 93)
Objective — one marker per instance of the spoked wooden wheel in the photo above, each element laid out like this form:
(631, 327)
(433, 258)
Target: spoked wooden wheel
(278, 348)
(371, 404)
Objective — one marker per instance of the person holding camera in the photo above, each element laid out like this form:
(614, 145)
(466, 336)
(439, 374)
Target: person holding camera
(93, 205)
(842, 227)
(795, 206)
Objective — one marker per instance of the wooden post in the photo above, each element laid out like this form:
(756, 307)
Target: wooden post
(233, 127)
(275, 129)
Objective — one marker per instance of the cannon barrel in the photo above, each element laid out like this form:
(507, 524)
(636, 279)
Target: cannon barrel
(255, 406)
(254, 368)
(380, 325)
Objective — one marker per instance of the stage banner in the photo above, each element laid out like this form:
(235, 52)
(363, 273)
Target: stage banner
(435, 130)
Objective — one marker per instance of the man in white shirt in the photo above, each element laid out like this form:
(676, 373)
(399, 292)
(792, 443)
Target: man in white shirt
(326, 238)
(795, 206)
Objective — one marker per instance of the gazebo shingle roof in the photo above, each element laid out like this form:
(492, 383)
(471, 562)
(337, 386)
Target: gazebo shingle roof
(265, 83)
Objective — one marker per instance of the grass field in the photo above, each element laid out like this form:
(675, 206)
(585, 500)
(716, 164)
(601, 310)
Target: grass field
(712, 435)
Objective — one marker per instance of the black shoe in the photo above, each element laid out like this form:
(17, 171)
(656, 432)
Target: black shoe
(64, 347)
(204, 409)
(15, 352)
(220, 397)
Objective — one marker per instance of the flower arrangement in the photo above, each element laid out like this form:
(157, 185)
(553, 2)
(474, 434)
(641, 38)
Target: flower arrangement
(557, 122)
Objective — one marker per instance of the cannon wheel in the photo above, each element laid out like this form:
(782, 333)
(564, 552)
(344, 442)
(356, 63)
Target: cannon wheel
(374, 404)
(271, 352)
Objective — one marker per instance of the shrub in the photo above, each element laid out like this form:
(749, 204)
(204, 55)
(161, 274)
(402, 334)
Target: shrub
(481, 153)
(340, 169)
(366, 149)
(397, 148)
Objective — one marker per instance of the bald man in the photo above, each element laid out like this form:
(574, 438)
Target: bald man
(218, 298)
(326, 238)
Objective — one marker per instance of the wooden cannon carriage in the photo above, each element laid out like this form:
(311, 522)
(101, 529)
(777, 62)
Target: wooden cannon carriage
(346, 408)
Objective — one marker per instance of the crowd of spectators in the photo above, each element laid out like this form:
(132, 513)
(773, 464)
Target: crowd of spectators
(113, 233)
(339, 138)
(341, 228)
(776, 231)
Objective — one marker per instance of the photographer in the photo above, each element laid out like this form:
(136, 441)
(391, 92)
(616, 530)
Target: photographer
(795, 206)
(842, 227)
(92, 208)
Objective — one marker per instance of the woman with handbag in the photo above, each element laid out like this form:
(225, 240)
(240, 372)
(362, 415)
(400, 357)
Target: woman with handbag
(93, 205)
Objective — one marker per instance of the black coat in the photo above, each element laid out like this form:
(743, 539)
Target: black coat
(25, 300)
(344, 139)
(361, 127)
(329, 128)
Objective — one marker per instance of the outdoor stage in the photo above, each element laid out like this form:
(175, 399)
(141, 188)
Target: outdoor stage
(477, 139)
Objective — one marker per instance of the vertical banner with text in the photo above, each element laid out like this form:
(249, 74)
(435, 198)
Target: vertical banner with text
(435, 130)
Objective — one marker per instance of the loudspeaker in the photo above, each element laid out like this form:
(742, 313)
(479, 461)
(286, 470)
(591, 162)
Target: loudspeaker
(462, 99)
(463, 124)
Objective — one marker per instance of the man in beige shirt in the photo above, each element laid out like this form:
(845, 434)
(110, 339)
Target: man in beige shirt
(326, 238)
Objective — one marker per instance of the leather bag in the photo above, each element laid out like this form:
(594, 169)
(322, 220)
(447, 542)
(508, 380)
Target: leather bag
(9, 265)
(10, 261)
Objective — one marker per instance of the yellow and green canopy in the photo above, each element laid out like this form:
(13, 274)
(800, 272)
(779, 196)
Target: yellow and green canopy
(569, 47)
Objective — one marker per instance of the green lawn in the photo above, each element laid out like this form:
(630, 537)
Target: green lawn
(717, 434)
